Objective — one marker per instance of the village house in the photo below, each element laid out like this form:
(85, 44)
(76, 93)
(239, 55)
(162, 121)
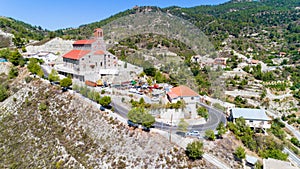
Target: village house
(256, 118)
(48, 57)
(182, 93)
(272, 163)
(282, 54)
(89, 60)
(252, 61)
(220, 61)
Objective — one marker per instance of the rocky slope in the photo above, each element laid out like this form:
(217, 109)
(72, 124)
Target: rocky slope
(56, 45)
(41, 127)
(5, 39)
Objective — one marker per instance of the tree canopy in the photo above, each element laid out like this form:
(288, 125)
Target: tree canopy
(34, 67)
(105, 101)
(194, 150)
(15, 58)
(139, 115)
(3, 93)
(66, 82)
(203, 112)
(221, 129)
(210, 135)
(240, 153)
(182, 125)
(53, 76)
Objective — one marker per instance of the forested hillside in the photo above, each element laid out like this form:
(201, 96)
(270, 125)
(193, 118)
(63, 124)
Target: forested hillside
(246, 26)
(22, 32)
(21, 29)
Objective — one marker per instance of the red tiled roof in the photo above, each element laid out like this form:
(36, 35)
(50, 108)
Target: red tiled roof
(182, 91)
(76, 54)
(84, 42)
(97, 29)
(99, 52)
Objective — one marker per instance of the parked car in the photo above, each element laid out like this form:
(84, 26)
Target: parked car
(64, 89)
(155, 99)
(55, 83)
(132, 90)
(132, 124)
(102, 108)
(193, 133)
(171, 123)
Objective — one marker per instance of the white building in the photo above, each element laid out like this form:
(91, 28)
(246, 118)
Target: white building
(48, 57)
(190, 98)
(271, 163)
(256, 118)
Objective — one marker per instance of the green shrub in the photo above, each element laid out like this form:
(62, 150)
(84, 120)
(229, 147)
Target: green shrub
(295, 141)
(203, 112)
(240, 153)
(43, 106)
(3, 93)
(13, 72)
(210, 135)
(105, 101)
(194, 150)
(28, 79)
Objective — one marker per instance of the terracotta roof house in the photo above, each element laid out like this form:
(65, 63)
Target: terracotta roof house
(182, 92)
(220, 61)
(89, 59)
(282, 54)
(254, 61)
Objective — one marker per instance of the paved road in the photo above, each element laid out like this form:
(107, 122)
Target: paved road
(46, 70)
(289, 127)
(293, 130)
(215, 161)
(292, 156)
(215, 117)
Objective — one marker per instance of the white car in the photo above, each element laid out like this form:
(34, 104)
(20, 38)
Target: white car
(132, 90)
(155, 99)
(193, 133)
(171, 124)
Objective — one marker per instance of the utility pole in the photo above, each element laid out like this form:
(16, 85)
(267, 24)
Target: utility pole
(171, 127)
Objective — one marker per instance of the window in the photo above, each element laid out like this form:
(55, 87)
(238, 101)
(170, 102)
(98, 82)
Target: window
(192, 98)
(89, 56)
(101, 64)
(82, 59)
(108, 56)
(251, 121)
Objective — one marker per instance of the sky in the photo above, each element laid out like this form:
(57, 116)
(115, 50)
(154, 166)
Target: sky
(59, 14)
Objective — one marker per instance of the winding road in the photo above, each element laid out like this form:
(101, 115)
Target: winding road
(215, 117)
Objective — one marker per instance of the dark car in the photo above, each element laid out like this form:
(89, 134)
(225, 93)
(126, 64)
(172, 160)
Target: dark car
(132, 124)
(55, 83)
(102, 108)
(147, 129)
